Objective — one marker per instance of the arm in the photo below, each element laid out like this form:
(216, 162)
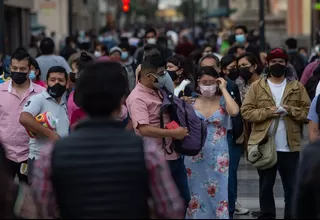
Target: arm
(42, 187)
(313, 121)
(231, 106)
(139, 114)
(27, 120)
(249, 110)
(165, 195)
(300, 113)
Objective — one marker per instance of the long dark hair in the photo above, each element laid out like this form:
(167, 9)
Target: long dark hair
(253, 60)
(181, 62)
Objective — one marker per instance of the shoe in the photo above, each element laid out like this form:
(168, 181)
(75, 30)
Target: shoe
(256, 214)
(240, 210)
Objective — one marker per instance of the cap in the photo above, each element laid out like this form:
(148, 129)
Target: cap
(277, 53)
(115, 49)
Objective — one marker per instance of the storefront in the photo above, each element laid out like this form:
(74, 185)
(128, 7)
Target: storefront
(17, 23)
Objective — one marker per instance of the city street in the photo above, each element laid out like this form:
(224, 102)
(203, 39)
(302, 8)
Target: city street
(248, 187)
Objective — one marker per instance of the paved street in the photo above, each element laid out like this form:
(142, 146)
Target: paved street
(248, 190)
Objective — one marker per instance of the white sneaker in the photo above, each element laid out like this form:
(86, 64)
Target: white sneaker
(240, 210)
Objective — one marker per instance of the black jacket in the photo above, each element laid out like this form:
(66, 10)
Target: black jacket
(237, 121)
(306, 202)
(99, 172)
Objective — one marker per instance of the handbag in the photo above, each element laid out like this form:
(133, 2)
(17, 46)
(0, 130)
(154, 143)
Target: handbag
(264, 155)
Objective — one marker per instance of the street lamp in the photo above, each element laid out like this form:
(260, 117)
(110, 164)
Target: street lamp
(262, 26)
(70, 12)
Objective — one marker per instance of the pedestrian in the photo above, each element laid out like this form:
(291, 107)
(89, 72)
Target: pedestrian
(277, 106)
(15, 93)
(102, 171)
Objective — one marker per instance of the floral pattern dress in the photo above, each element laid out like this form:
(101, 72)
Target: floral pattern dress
(208, 171)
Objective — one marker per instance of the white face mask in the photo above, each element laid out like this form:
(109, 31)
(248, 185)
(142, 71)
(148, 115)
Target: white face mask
(151, 40)
(97, 54)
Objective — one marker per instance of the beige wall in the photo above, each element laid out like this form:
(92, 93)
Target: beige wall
(306, 18)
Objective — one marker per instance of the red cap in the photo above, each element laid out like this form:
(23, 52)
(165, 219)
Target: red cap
(277, 53)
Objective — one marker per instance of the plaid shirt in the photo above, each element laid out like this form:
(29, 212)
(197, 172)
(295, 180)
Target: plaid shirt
(166, 200)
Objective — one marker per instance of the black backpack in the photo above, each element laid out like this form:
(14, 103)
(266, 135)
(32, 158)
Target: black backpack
(298, 63)
(311, 86)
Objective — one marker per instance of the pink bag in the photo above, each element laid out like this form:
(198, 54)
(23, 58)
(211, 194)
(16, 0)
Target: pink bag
(308, 71)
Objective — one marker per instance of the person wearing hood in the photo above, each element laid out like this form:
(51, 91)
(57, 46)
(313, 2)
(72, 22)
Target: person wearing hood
(115, 54)
(128, 61)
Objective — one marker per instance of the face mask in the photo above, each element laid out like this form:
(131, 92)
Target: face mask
(97, 54)
(245, 74)
(18, 78)
(173, 74)
(151, 41)
(32, 75)
(233, 74)
(56, 91)
(124, 55)
(277, 70)
(160, 82)
(208, 91)
(240, 38)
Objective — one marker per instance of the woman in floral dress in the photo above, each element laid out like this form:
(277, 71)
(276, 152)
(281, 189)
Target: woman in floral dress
(208, 171)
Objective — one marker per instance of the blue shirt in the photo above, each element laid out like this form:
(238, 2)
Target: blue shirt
(313, 116)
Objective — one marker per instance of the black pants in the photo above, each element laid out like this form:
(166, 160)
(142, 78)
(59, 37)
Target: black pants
(13, 169)
(287, 165)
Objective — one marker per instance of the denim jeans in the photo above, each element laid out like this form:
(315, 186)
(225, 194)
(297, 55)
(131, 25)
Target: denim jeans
(179, 175)
(235, 152)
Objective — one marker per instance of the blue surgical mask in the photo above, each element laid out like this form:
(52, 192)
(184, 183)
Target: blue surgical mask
(32, 75)
(161, 81)
(240, 38)
(124, 55)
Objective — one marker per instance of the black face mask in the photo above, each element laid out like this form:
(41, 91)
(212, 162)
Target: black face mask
(57, 90)
(277, 70)
(173, 75)
(233, 74)
(18, 78)
(245, 74)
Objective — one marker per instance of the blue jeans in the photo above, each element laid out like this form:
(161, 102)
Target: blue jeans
(179, 175)
(235, 152)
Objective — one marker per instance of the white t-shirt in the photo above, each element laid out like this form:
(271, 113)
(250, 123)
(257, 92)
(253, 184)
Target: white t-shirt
(281, 134)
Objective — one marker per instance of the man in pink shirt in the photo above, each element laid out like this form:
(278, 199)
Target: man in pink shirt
(15, 94)
(144, 104)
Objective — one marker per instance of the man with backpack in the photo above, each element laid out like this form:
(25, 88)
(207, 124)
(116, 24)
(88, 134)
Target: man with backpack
(145, 106)
(294, 56)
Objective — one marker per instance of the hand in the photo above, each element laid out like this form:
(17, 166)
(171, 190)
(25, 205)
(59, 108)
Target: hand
(53, 136)
(286, 107)
(189, 100)
(180, 133)
(222, 83)
(273, 110)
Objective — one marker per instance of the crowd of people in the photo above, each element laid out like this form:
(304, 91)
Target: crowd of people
(103, 134)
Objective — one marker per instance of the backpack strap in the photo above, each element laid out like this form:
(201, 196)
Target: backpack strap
(318, 109)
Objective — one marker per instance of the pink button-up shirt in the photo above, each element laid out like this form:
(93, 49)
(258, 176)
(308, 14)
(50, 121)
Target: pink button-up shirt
(12, 134)
(144, 106)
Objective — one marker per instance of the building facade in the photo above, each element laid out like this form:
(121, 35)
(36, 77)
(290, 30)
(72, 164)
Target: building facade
(17, 24)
